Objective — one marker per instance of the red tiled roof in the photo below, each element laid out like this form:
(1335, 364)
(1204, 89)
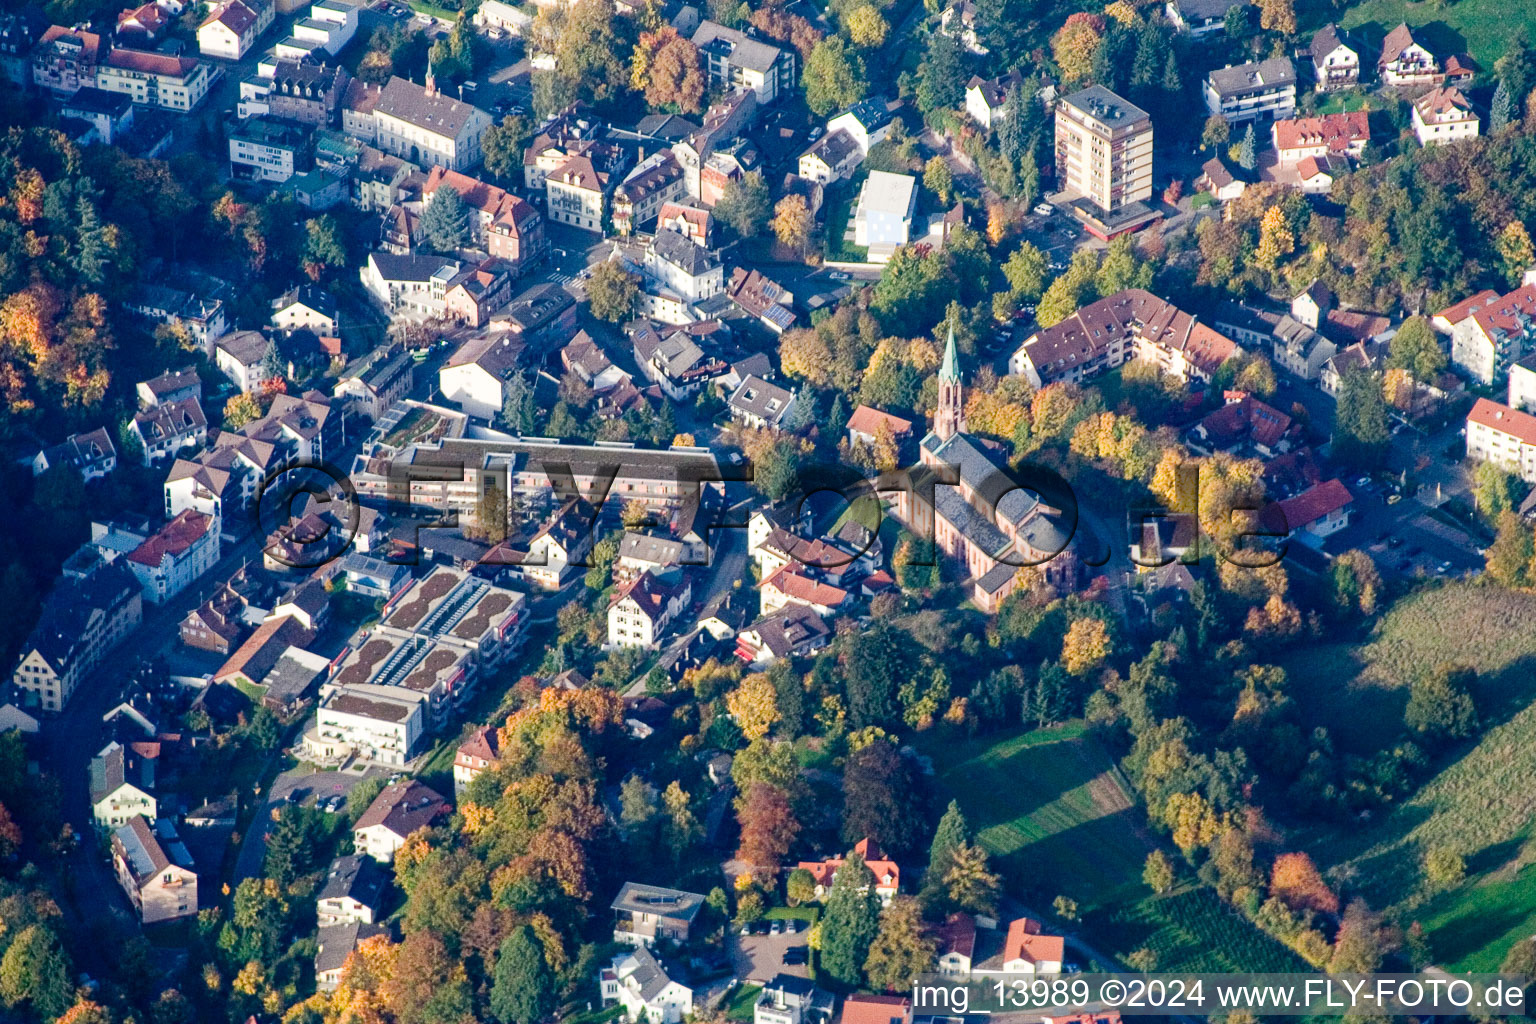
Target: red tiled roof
(151, 63)
(1024, 942)
(1517, 424)
(1336, 131)
(876, 1010)
(792, 584)
(1454, 315)
(1504, 314)
(957, 935)
(1447, 100)
(866, 420)
(1314, 503)
(174, 538)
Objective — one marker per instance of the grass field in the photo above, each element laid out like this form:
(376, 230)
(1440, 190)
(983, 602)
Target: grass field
(1193, 931)
(1482, 28)
(739, 1008)
(1480, 805)
(1053, 810)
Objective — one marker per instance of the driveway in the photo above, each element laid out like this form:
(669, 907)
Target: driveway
(757, 958)
(312, 788)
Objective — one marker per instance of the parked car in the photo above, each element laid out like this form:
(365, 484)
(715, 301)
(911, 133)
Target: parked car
(776, 928)
(1044, 209)
(797, 956)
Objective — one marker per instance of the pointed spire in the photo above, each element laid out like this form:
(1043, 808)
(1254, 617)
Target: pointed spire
(950, 369)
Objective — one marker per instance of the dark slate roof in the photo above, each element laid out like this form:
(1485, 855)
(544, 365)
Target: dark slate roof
(680, 251)
(439, 114)
(1253, 76)
(356, 877)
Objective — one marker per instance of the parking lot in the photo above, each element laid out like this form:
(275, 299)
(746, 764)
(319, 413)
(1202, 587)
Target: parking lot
(757, 958)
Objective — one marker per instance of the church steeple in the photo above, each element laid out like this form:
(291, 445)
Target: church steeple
(949, 420)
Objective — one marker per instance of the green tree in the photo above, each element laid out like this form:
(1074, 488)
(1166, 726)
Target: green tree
(1440, 705)
(937, 179)
(1248, 152)
(1501, 111)
(1025, 271)
(834, 77)
(612, 290)
(850, 921)
(951, 833)
(1217, 132)
(1416, 349)
(970, 883)
(901, 950)
(445, 221)
(1011, 130)
(1444, 868)
(941, 76)
(324, 248)
(523, 989)
(36, 972)
(502, 146)
(799, 887)
(745, 204)
(1158, 872)
(1360, 433)
(1495, 490)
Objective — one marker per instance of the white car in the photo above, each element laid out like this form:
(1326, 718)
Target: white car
(1044, 209)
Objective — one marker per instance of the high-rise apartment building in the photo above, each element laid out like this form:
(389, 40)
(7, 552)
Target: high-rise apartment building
(1104, 149)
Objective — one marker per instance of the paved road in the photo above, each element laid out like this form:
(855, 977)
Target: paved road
(312, 788)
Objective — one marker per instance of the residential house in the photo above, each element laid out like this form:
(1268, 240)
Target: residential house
(1258, 90)
(560, 545)
(868, 122)
(1202, 18)
(692, 222)
(65, 60)
(638, 982)
(1216, 179)
(256, 657)
(382, 381)
(1314, 514)
(1316, 174)
(1503, 436)
(354, 890)
(1446, 320)
(674, 359)
(1359, 356)
(1522, 384)
(1244, 422)
(1312, 304)
(655, 182)
(1027, 951)
(1335, 63)
(1112, 331)
(122, 786)
(479, 291)
(306, 308)
(164, 430)
(380, 724)
(82, 620)
(831, 158)
(541, 317)
(374, 577)
(220, 624)
(200, 315)
(155, 870)
(411, 285)
(398, 811)
(576, 194)
(1298, 349)
(643, 913)
(886, 871)
(171, 386)
(240, 355)
(641, 610)
(308, 93)
(231, 28)
(266, 149)
(506, 226)
(420, 124)
(986, 98)
(958, 21)
(1341, 135)
(796, 584)
(786, 999)
(761, 404)
(475, 755)
(956, 950)
(378, 179)
(1489, 338)
(155, 79)
(479, 375)
(867, 423)
(110, 114)
(759, 296)
(862, 1009)
(641, 553)
(793, 631)
(723, 125)
(92, 455)
(1443, 115)
(680, 275)
(335, 944)
(883, 215)
(736, 61)
(141, 27)
(1405, 61)
(171, 560)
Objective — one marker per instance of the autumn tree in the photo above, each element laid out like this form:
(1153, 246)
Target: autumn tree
(850, 921)
(324, 249)
(752, 705)
(792, 223)
(1515, 251)
(35, 972)
(674, 76)
(969, 882)
(590, 49)
(768, 827)
(1509, 560)
(1278, 16)
(1158, 872)
(938, 179)
(1275, 239)
(1296, 881)
(680, 826)
(1075, 44)
(1363, 941)
(866, 27)
(901, 950)
(611, 289)
(1085, 646)
(502, 146)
